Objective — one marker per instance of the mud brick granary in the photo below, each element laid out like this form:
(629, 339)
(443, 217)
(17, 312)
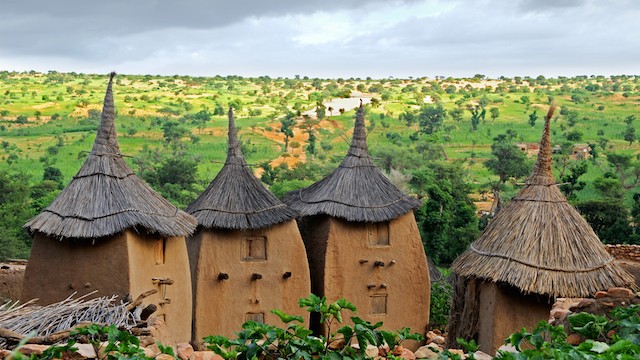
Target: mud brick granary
(109, 231)
(536, 249)
(362, 241)
(247, 257)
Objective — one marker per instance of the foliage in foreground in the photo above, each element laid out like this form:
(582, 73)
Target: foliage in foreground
(297, 342)
(616, 337)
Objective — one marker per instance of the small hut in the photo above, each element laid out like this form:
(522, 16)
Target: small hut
(247, 256)
(536, 249)
(109, 231)
(362, 241)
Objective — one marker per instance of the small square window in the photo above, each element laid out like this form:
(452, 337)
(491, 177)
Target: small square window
(378, 305)
(378, 233)
(254, 248)
(257, 317)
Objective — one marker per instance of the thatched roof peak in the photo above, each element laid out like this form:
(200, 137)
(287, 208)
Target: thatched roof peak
(105, 197)
(540, 244)
(356, 190)
(107, 140)
(234, 154)
(542, 171)
(236, 199)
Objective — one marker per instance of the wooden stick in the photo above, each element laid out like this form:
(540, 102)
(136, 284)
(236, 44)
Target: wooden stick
(138, 301)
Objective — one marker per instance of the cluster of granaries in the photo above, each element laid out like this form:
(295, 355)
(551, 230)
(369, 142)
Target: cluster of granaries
(237, 252)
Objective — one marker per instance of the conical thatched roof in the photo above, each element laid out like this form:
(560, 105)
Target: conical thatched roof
(106, 197)
(236, 199)
(356, 190)
(540, 243)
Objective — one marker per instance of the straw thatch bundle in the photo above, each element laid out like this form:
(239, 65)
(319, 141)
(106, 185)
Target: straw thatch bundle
(106, 197)
(236, 199)
(540, 244)
(356, 190)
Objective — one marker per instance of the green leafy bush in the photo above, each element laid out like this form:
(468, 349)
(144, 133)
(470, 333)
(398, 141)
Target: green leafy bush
(265, 341)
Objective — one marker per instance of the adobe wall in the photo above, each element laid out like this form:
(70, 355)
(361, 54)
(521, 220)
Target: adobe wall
(503, 310)
(56, 269)
(11, 277)
(221, 305)
(351, 272)
(152, 259)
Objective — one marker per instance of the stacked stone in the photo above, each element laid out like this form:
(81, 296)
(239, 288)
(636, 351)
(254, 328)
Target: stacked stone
(630, 252)
(601, 304)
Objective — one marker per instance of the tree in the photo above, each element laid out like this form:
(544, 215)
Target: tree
(630, 134)
(287, 128)
(456, 114)
(53, 174)
(447, 219)
(320, 110)
(508, 160)
(533, 117)
(495, 113)
(430, 118)
(525, 101)
(311, 144)
(625, 168)
(173, 132)
(609, 219)
(15, 210)
(475, 117)
(571, 182)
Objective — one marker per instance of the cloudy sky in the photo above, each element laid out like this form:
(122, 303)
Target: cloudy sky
(328, 38)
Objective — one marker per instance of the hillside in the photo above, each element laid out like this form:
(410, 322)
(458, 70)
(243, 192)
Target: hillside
(48, 122)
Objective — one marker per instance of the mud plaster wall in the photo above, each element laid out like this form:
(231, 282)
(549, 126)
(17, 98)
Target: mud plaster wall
(11, 278)
(56, 269)
(221, 306)
(350, 272)
(153, 258)
(504, 310)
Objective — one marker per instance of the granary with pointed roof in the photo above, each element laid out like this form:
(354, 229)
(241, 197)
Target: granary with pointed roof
(536, 249)
(247, 256)
(362, 240)
(109, 233)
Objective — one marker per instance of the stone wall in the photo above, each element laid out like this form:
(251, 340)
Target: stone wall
(628, 252)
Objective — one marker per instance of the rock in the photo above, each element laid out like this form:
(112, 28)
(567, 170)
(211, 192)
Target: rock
(620, 293)
(84, 351)
(600, 294)
(184, 351)
(508, 348)
(435, 347)
(479, 355)
(165, 357)
(371, 351)
(205, 355)
(575, 339)
(407, 355)
(4, 353)
(425, 352)
(560, 314)
(146, 341)
(586, 302)
(152, 349)
(159, 331)
(337, 343)
(29, 349)
(439, 340)
(398, 350)
(459, 352)
(430, 336)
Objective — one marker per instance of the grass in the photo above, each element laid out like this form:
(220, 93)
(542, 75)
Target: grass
(144, 103)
